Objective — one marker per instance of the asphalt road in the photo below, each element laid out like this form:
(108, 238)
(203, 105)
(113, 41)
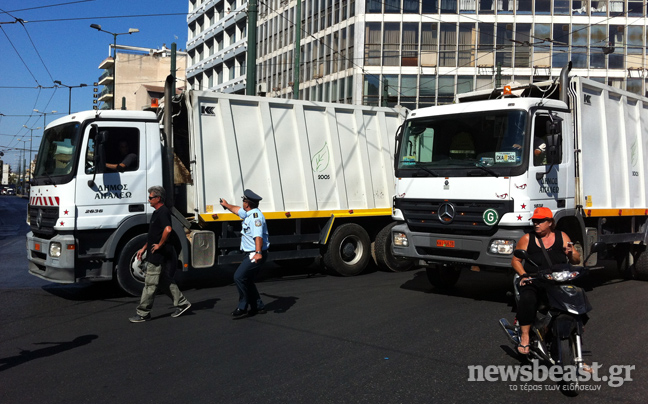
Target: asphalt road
(376, 338)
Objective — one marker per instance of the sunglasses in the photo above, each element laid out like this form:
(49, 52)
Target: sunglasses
(152, 197)
(538, 221)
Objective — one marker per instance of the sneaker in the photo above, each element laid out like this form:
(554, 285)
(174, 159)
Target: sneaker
(238, 313)
(180, 310)
(139, 319)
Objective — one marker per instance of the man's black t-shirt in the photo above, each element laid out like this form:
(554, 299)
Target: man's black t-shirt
(159, 221)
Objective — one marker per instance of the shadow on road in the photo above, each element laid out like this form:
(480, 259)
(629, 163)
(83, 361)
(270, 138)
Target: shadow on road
(56, 348)
(281, 304)
(85, 291)
(487, 286)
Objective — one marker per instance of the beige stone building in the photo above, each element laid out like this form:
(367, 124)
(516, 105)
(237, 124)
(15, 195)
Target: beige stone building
(140, 74)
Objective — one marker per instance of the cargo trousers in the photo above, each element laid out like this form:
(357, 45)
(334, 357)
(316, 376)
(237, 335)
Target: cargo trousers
(158, 277)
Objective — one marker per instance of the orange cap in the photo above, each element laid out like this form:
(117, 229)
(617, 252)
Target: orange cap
(542, 213)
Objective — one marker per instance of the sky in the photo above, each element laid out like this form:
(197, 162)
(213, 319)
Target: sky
(55, 42)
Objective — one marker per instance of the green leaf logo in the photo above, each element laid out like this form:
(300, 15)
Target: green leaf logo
(320, 161)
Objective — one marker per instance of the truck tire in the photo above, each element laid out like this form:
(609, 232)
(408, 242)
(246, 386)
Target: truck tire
(443, 277)
(641, 264)
(348, 251)
(385, 259)
(127, 280)
(624, 260)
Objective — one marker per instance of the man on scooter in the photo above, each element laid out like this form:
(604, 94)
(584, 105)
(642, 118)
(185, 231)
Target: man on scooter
(559, 248)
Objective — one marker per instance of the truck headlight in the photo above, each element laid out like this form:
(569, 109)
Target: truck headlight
(400, 239)
(55, 249)
(502, 247)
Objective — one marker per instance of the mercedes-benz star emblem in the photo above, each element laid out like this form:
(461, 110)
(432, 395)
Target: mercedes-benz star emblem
(446, 213)
(39, 218)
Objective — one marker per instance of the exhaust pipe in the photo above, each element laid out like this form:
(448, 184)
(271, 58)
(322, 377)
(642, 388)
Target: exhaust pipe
(564, 82)
(169, 84)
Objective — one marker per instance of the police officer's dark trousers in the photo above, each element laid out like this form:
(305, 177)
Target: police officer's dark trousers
(244, 279)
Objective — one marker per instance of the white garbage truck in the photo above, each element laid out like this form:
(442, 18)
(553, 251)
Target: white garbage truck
(324, 170)
(470, 174)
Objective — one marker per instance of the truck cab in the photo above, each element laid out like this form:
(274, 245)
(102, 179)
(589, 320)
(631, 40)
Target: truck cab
(78, 203)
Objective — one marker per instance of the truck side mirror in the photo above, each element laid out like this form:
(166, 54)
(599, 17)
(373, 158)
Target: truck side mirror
(99, 158)
(554, 149)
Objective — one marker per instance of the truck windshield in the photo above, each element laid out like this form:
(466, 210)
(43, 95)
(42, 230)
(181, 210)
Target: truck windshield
(493, 140)
(57, 151)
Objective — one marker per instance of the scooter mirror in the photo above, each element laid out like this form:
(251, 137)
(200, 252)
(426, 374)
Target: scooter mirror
(521, 254)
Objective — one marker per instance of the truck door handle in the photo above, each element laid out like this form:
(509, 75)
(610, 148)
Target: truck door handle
(136, 208)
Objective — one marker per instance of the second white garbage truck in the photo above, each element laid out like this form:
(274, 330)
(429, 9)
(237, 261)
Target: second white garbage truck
(470, 174)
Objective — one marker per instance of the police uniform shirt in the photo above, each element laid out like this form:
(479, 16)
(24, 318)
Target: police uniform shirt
(254, 225)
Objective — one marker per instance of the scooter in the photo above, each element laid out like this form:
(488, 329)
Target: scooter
(556, 334)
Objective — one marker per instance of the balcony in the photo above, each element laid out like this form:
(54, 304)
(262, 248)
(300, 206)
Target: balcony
(106, 77)
(106, 94)
(107, 63)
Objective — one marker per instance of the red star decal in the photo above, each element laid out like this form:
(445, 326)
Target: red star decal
(519, 217)
(523, 207)
(62, 223)
(66, 212)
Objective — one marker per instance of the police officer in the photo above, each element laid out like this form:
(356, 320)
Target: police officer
(254, 244)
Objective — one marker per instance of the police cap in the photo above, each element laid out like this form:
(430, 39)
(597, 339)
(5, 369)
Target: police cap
(248, 194)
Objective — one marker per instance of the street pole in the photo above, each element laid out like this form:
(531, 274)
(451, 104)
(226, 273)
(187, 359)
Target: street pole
(70, 96)
(114, 56)
(297, 50)
(31, 138)
(250, 76)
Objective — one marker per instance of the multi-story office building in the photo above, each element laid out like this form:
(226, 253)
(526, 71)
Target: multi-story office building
(139, 74)
(415, 53)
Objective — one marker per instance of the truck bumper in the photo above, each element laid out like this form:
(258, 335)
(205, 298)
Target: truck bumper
(42, 264)
(454, 249)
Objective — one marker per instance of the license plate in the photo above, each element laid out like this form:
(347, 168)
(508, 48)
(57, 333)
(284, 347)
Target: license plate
(37, 247)
(446, 243)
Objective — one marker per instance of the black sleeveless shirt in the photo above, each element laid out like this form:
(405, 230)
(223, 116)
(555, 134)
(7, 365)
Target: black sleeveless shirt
(556, 253)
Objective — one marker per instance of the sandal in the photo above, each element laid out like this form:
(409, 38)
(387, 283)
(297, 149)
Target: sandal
(524, 348)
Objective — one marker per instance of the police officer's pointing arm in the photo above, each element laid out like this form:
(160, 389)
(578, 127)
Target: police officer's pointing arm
(232, 208)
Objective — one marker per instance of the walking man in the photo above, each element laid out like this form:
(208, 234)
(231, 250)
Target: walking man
(160, 261)
(254, 243)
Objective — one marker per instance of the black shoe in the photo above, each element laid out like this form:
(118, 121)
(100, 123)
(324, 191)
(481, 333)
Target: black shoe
(139, 319)
(181, 309)
(238, 313)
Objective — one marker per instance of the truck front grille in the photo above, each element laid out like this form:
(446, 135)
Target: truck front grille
(457, 216)
(42, 220)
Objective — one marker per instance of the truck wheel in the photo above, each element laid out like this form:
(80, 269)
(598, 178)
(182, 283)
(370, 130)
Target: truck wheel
(127, 279)
(348, 251)
(443, 277)
(385, 259)
(641, 264)
(624, 260)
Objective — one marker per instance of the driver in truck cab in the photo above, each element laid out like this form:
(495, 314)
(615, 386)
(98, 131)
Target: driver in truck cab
(128, 160)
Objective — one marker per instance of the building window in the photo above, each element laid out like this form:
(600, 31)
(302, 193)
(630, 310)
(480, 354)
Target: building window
(617, 40)
(410, 44)
(448, 45)
(373, 45)
(408, 90)
(598, 35)
(446, 90)
(466, 44)
(521, 47)
(427, 91)
(371, 90)
(392, 6)
(579, 46)
(560, 38)
(391, 44)
(429, 44)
